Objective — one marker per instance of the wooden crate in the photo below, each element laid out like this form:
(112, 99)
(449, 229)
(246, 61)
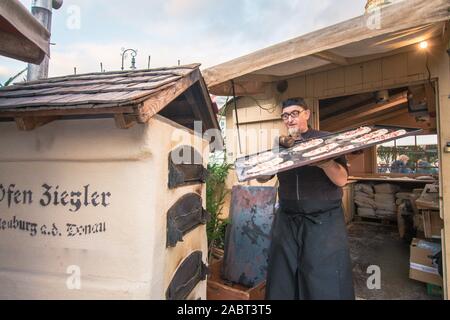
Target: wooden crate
(219, 289)
(432, 223)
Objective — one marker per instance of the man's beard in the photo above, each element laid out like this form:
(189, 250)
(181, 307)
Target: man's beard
(294, 132)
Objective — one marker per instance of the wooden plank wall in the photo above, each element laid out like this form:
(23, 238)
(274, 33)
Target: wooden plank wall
(440, 66)
(258, 127)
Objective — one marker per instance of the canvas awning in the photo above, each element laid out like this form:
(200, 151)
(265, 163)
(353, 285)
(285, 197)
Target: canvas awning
(363, 38)
(22, 37)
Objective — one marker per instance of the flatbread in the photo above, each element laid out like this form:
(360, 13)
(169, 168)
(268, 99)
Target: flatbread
(325, 148)
(370, 136)
(265, 166)
(337, 150)
(280, 166)
(387, 136)
(354, 133)
(260, 158)
(307, 145)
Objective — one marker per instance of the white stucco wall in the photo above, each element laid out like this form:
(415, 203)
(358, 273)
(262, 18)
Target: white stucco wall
(128, 259)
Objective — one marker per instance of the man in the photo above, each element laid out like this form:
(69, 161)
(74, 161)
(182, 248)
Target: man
(399, 165)
(309, 254)
(383, 167)
(424, 167)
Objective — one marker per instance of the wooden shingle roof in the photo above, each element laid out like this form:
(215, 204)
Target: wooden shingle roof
(132, 96)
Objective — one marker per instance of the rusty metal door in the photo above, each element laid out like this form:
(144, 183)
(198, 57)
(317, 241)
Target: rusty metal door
(248, 235)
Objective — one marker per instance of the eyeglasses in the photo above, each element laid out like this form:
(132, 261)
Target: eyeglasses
(294, 114)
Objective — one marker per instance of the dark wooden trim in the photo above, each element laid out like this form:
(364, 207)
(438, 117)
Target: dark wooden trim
(40, 112)
(165, 96)
(124, 121)
(31, 123)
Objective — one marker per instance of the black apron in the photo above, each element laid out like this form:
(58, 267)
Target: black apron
(309, 255)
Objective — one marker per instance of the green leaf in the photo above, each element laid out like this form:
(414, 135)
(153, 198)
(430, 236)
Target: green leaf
(216, 193)
(10, 80)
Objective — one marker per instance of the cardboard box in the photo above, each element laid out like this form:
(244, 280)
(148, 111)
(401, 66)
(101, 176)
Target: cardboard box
(432, 224)
(219, 289)
(421, 264)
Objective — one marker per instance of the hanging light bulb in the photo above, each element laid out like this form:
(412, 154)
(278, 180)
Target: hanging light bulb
(423, 45)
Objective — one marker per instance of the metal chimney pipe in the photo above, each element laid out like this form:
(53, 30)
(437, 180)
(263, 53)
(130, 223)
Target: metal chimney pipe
(42, 11)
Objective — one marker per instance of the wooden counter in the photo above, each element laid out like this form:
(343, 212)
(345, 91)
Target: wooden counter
(390, 179)
(383, 178)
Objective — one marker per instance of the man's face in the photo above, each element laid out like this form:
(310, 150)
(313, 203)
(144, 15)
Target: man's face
(299, 123)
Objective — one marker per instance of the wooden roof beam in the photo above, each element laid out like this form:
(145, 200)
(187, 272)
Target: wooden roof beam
(332, 58)
(366, 111)
(214, 123)
(31, 123)
(242, 88)
(375, 119)
(124, 121)
(352, 100)
(165, 96)
(193, 103)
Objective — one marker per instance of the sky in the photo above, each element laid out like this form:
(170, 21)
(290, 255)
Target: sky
(87, 32)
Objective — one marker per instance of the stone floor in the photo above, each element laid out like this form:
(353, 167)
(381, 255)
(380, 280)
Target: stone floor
(380, 245)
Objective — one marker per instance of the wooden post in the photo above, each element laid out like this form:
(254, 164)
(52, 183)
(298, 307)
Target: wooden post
(440, 67)
(124, 121)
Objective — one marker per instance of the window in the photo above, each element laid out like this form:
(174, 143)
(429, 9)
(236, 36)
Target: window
(421, 155)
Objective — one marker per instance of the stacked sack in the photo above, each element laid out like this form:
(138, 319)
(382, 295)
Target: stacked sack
(378, 201)
(364, 199)
(385, 200)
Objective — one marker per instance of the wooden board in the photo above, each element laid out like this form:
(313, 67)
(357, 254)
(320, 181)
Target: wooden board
(390, 179)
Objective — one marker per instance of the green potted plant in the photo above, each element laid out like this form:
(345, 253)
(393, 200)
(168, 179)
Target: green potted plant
(216, 193)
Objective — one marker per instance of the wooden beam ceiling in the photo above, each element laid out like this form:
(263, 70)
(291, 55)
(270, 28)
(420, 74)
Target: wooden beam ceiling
(364, 114)
(345, 103)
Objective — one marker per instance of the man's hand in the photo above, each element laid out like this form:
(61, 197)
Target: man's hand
(286, 141)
